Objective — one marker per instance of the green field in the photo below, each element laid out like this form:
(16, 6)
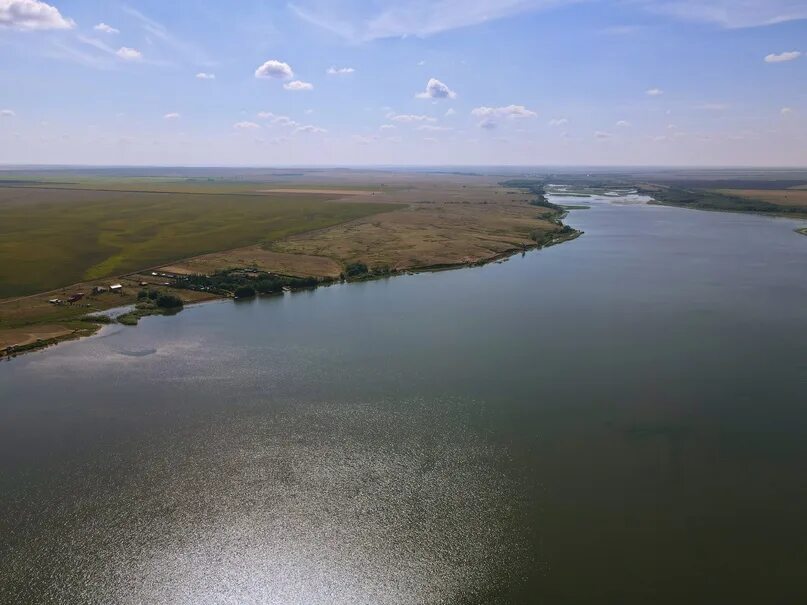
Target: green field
(51, 237)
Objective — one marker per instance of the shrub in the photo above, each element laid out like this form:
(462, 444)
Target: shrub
(355, 269)
(169, 301)
(244, 292)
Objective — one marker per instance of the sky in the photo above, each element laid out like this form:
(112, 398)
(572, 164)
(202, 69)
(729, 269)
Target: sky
(405, 82)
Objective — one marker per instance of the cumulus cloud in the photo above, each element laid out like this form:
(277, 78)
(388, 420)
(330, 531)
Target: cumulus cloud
(432, 128)
(278, 120)
(450, 112)
(387, 127)
(171, 116)
(623, 124)
(284, 121)
(29, 15)
(408, 118)
(783, 57)
(435, 89)
(274, 69)
(340, 71)
(7, 113)
(491, 116)
(509, 111)
(558, 122)
(654, 92)
(107, 29)
(308, 128)
(129, 54)
(786, 111)
(205, 76)
(246, 125)
(602, 135)
(298, 85)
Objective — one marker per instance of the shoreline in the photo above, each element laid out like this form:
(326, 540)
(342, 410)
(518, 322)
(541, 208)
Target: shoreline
(796, 216)
(92, 329)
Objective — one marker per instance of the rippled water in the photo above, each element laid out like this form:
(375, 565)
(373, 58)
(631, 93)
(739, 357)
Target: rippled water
(616, 419)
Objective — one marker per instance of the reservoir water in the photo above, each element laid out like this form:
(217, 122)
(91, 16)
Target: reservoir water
(617, 419)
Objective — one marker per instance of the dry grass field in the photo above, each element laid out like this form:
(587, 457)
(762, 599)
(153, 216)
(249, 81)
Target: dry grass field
(260, 258)
(443, 224)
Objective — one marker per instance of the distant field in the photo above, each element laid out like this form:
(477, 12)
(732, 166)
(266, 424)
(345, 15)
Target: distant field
(782, 197)
(52, 237)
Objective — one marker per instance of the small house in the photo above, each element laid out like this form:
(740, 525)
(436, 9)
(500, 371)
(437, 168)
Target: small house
(116, 288)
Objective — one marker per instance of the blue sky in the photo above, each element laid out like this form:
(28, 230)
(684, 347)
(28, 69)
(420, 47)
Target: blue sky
(527, 82)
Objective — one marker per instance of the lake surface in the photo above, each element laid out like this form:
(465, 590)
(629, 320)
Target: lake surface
(617, 419)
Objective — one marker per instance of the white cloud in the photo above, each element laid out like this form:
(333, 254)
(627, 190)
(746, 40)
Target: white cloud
(340, 71)
(654, 92)
(786, 111)
(129, 54)
(298, 85)
(205, 76)
(284, 121)
(602, 135)
(171, 116)
(107, 29)
(408, 118)
(435, 89)
(310, 129)
(490, 116)
(29, 15)
(274, 69)
(278, 120)
(432, 128)
(623, 124)
(7, 113)
(509, 111)
(557, 122)
(387, 127)
(246, 125)
(783, 57)
(450, 112)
